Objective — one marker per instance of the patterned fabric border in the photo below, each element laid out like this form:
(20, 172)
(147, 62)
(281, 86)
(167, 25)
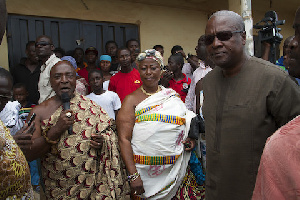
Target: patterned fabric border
(162, 118)
(155, 160)
(138, 198)
(143, 110)
(25, 110)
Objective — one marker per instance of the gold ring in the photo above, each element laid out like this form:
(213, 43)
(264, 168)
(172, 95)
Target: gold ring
(68, 114)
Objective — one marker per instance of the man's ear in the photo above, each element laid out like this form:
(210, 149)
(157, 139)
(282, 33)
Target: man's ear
(52, 47)
(244, 37)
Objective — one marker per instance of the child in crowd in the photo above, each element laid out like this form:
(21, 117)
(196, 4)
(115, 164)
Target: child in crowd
(108, 100)
(20, 94)
(174, 78)
(105, 64)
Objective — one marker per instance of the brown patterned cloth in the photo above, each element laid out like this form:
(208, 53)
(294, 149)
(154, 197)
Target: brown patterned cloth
(75, 170)
(14, 169)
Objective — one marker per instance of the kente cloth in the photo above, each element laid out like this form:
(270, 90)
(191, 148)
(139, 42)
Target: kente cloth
(14, 170)
(162, 124)
(278, 174)
(75, 170)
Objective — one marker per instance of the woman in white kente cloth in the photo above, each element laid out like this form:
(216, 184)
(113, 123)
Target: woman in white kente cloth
(153, 126)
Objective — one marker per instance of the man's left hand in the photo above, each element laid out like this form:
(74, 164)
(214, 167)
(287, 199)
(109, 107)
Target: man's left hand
(96, 141)
(24, 135)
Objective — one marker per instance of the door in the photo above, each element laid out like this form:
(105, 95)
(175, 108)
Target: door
(65, 33)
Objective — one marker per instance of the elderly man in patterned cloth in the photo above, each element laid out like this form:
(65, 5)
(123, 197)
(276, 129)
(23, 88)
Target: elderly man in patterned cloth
(77, 145)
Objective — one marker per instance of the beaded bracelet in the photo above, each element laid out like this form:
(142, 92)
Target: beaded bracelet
(133, 177)
(45, 131)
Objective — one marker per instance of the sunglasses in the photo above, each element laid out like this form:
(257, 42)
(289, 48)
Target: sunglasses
(222, 36)
(42, 44)
(5, 97)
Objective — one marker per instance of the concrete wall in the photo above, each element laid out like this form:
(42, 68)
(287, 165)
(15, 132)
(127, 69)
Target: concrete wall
(158, 24)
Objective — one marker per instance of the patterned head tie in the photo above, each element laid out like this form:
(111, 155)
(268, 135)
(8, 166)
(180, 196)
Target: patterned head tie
(153, 54)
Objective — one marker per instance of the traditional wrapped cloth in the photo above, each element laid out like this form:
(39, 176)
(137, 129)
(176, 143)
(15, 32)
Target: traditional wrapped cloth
(75, 170)
(10, 116)
(14, 170)
(162, 124)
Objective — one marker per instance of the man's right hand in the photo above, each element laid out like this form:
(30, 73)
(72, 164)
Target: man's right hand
(65, 120)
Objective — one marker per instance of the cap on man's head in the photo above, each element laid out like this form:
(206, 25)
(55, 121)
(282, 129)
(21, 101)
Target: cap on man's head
(91, 49)
(71, 60)
(297, 18)
(105, 57)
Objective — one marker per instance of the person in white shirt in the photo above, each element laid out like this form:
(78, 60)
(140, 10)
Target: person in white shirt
(108, 100)
(44, 50)
(199, 73)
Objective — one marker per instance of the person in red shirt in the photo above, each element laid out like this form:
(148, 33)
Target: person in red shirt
(91, 55)
(128, 79)
(174, 78)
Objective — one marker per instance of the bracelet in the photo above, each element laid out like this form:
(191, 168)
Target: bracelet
(133, 177)
(45, 131)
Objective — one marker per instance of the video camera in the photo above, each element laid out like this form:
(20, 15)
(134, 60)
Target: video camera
(269, 31)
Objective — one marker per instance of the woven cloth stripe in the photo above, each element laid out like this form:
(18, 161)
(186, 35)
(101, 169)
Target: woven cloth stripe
(155, 160)
(162, 118)
(139, 112)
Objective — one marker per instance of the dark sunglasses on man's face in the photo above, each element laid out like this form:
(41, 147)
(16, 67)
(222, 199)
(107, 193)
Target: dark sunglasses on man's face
(222, 36)
(42, 44)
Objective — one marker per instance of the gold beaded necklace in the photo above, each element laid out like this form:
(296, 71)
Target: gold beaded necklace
(149, 94)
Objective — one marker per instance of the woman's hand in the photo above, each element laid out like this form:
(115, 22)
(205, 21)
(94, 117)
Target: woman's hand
(189, 144)
(137, 187)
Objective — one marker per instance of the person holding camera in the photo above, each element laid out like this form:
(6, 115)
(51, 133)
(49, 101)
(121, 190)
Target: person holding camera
(278, 176)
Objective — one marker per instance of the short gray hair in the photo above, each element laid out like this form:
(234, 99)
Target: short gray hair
(238, 19)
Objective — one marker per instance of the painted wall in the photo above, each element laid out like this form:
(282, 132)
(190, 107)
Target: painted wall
(158, 24)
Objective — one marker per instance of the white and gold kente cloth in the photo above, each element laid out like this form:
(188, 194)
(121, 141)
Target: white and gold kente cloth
(162, 123)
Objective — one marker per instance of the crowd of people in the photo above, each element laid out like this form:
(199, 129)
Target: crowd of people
(122, 125)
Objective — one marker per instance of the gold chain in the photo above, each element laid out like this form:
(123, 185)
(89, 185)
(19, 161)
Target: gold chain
(149, 94)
